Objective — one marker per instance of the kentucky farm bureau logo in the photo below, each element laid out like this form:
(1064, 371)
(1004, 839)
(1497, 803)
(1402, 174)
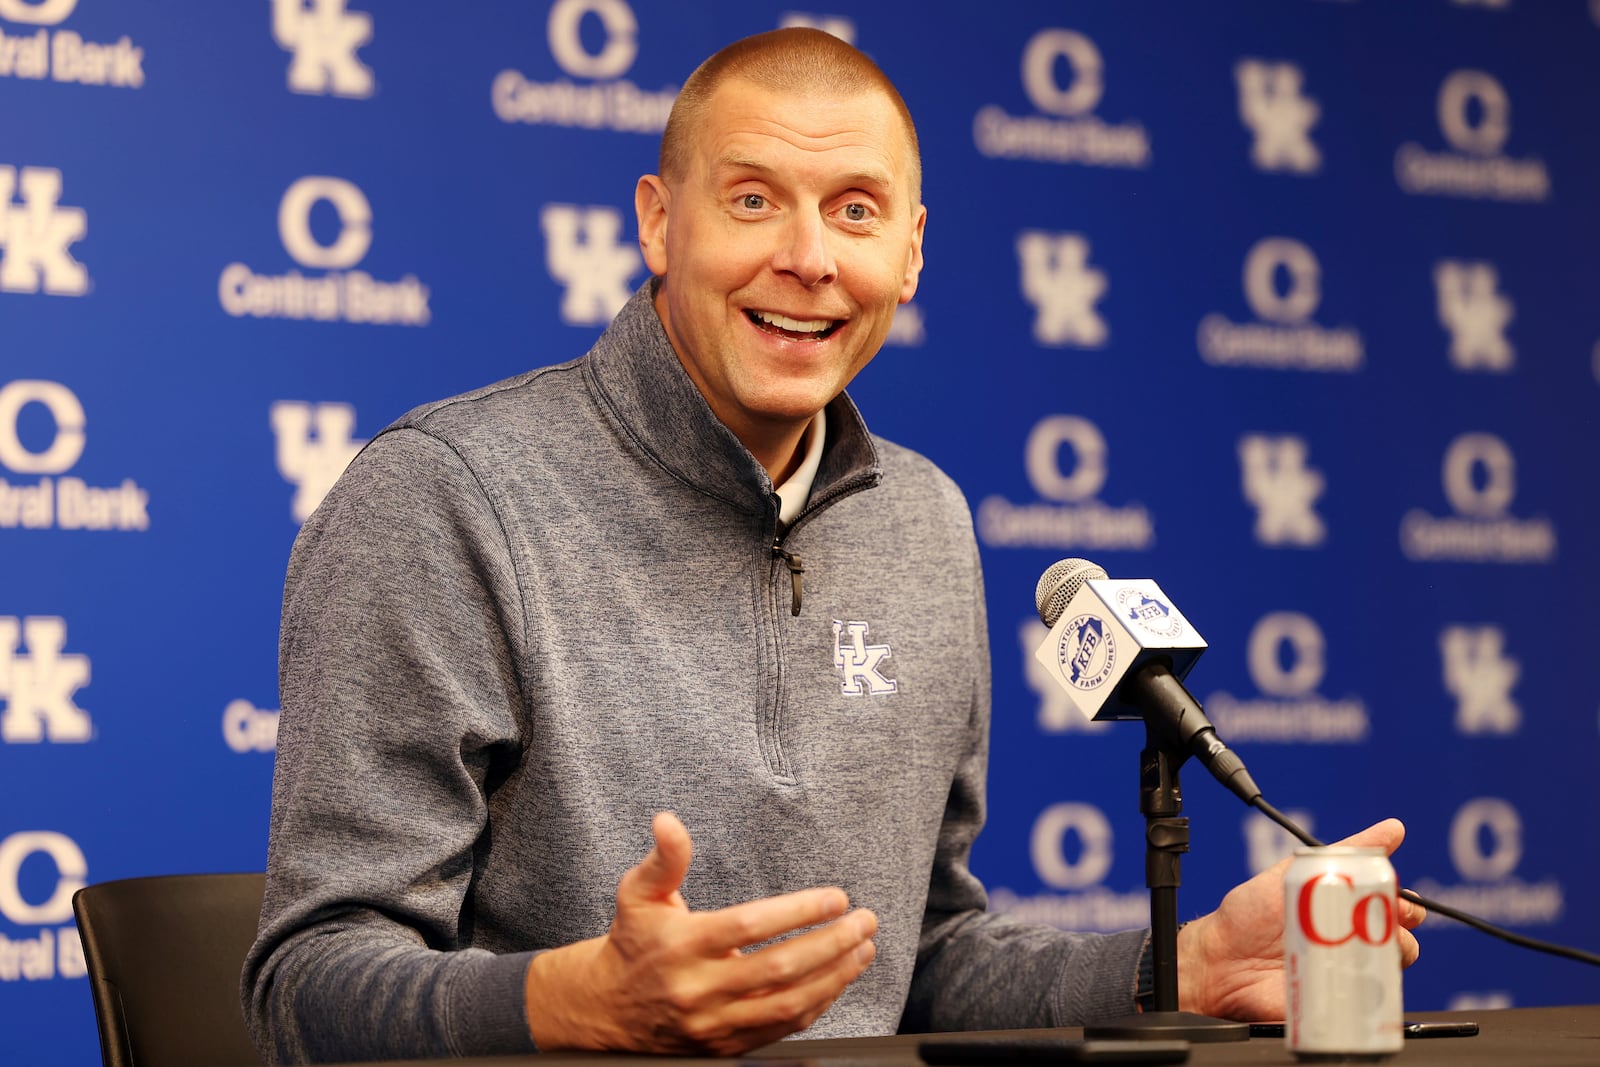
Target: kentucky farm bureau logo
(1149, 613)
(1087, 652)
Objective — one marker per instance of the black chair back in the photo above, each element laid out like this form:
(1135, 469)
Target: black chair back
(164, 956)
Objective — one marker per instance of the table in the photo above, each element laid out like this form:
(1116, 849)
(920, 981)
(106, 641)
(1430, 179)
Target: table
(1512, 1037)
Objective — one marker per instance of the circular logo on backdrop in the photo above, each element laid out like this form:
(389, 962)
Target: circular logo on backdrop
(1087, 652)
(1150, 613)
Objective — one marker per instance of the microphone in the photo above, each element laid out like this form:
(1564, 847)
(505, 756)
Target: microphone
(1121, 649)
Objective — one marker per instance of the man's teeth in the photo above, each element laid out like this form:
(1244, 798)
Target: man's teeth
(784, 322)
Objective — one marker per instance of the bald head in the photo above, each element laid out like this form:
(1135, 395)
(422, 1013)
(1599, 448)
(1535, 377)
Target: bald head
(805, 62)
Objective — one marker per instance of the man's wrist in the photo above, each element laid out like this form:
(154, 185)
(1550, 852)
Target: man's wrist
(553, 991)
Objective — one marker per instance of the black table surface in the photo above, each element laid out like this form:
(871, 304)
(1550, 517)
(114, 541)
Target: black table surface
(1517, 1037)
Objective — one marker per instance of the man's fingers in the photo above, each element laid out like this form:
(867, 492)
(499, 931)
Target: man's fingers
(742, 925)
(1386, 835)
(796, 961)
(791, 1008)
(658, 876)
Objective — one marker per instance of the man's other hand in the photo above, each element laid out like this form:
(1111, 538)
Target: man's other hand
(1230, 963)
(667, 979)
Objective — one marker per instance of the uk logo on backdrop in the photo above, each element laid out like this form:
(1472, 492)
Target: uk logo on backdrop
(1474, 113)
(1283, 286)
(1283, 489)
(1063, 289)
(338, 293)
(39, 681)
(594, 94)
(1476, 313)
(1479, 674)
(1067, 462)
(1287, 659)
(1480, 482)
(43, 433)
(314, 444)
(1273, 104)
(1064, 77)
(63, 55)
(39, 872)
(37, 233)
(1486, 849)
(1071, 846)
(325, 37)
(585, 251)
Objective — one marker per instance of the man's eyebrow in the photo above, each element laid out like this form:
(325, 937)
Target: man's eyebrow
(862, 179)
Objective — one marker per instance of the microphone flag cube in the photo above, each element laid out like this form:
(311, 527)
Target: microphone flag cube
(1109, 629)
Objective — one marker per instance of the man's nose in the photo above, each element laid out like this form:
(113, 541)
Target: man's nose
(805, 250)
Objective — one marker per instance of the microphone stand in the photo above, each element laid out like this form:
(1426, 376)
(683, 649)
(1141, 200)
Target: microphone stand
(1166, 839)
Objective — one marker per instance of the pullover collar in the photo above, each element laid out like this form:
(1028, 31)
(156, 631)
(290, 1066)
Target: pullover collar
(638, 377)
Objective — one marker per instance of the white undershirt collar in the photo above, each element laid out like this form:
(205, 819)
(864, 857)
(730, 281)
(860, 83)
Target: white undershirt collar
(796, 489)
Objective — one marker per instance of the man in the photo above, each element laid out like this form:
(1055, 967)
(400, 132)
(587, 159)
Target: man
(534, 621)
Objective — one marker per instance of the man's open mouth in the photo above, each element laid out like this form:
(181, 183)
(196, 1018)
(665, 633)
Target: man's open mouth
(795, 329)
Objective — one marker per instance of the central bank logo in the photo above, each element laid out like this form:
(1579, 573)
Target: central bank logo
(1486, 849)
(838, 25)
(1071, 848)
(1058, 281)
(1287, 660)
(36, 233)
(860, 662)
(63, 55)
(315, 443)
(42, 432)
(1283, 286)
(1283, 489)
(1279, 115)
(1063, 75)
(1066, 457)
(1472, 308)
(38, 682)
(1479, 674)
(1474, 115)
(40, 870)
(247, 728)
(594, 95)
(1480, 482)
(584, 251)
(324, 38)
(340, 294)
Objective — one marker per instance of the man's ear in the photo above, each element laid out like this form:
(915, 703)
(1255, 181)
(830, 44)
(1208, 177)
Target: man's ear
(651, 199)
(908, 287)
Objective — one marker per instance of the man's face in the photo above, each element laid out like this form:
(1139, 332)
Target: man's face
(785, 247)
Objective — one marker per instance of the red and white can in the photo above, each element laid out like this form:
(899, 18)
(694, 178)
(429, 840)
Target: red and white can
(1341, 955)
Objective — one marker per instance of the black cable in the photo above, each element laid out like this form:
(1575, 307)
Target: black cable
(1441, 909)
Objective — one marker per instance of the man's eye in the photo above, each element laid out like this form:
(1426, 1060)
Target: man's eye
(856, 212)
(753, 201)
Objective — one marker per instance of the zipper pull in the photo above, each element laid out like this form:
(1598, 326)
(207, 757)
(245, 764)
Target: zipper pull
(797, 567)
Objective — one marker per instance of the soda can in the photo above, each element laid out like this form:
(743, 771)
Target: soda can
(1341, 956)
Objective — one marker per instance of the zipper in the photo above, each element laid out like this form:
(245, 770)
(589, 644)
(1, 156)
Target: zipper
(797, 567)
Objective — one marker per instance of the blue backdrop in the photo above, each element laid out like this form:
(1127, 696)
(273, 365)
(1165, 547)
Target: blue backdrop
(1290, 305)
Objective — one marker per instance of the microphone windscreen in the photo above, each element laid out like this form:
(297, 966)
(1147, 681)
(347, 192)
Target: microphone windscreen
(1059, 584)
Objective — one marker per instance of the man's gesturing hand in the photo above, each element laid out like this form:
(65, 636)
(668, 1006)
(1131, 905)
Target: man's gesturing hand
(667, 979)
